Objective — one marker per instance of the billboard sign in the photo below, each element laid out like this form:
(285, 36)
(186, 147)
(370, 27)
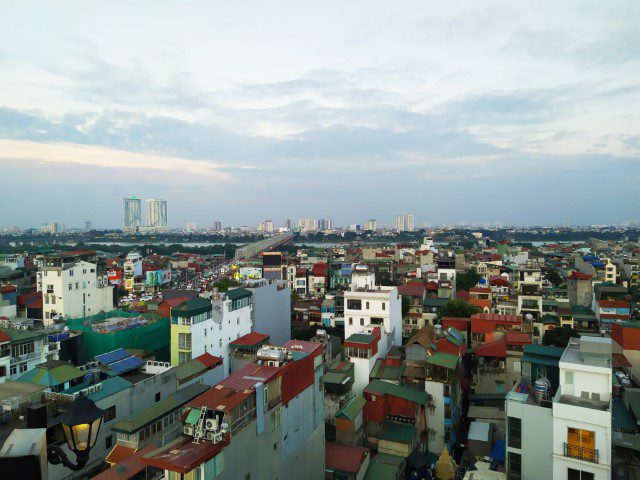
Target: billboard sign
(155, 278)
(250, 272)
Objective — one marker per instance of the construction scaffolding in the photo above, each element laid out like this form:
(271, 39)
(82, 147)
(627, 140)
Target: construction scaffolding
(109, 331)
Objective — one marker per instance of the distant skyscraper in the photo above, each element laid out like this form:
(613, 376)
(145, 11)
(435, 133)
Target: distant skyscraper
(217, 226)
(404, 223)
(325, 224)
(132, 218)
(87, 226)
(307, 224)
(191, 227)
(268, 226)
(157, 214)
(288, 224)
(371, 224)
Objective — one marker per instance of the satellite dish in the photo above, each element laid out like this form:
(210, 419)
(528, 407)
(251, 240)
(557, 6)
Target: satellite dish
(528, 316)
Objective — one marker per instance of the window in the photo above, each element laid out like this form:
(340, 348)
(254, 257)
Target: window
(350, 320)
(384, 306)
(108, 442)
(220, 343)
(568, 378)
(367, 306)
(184, 357)
(71, 286)
(71, 273)
(514, 427)
(573, 474)
(581, 444)
(265, 395)
(354, 304)
(184, 341)
(514, 469)
(77, 285)
(157, 397)
(362, 321)
(110, 414)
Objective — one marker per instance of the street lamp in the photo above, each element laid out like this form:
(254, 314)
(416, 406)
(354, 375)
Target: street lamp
(80, 424)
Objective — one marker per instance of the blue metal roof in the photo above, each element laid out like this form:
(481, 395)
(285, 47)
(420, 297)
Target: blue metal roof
(114, 356)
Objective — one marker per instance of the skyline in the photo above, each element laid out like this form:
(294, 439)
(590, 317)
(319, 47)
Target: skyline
(320, 111)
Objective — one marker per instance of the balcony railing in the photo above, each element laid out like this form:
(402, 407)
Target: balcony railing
(581, 453)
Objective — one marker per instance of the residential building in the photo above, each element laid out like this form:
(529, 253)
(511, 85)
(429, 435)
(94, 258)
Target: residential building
(209, 326)
(22, 349)
(262, 422)
(575, 420)
(404, 223)
(132, 217)
(530, 292)
(73, 287)
(157, 215)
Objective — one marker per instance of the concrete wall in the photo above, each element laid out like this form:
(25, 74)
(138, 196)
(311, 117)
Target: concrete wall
(272, 312)
(435, 417)
(536, 434)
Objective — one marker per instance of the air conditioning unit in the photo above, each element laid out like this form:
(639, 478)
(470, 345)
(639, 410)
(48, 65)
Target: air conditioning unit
(187, 430)
(211, 424)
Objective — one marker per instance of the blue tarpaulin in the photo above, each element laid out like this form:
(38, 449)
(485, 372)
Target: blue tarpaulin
(498, 451)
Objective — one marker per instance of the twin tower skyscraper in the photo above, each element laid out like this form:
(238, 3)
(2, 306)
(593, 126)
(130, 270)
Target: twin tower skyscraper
(132, 215)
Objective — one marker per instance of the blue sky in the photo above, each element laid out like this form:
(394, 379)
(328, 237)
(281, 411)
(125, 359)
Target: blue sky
(511, 112)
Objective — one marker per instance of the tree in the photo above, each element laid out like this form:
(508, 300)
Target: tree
(457, 308)
(224, 284)
(406, 305)
(465, 281)
(559, 337)
(554, 277)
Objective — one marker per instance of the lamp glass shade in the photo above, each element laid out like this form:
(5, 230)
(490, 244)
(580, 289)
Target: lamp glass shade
(81, 424)
(81, 436)
(95, 428)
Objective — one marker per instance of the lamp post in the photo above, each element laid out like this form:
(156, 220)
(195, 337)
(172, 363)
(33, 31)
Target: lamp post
(80, 424)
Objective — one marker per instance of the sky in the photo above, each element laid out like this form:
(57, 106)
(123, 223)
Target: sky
(520, 113)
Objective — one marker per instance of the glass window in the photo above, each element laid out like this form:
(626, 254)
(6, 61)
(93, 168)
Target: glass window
(384, 306)
(573, 474)
(514, 426)
(568, 378)
(514, 471)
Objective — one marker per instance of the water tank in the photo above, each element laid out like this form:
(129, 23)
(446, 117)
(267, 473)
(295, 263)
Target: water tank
(541, 388)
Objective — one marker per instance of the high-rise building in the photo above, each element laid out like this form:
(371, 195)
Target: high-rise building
(307, 224)
(217, 226)
(132, 218)
(404, 223)
(191, 227)
(267, 226)
(157, 214)
(325, 224)
(371, 224)
(288, 224)
(87, 226)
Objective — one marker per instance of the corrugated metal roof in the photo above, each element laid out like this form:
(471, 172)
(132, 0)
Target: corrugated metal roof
(352, 408)
(378, 387)
(160, 409)
(398, 432)
(443, 359)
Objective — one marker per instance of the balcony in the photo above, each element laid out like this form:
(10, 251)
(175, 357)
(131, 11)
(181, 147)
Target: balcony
(581, 453)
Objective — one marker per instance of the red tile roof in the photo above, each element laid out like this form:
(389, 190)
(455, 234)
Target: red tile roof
(518, 338)
(497, 348)
(480, 290)
(251, 339)
(249, 375)
(128, 467)
(432, 286)
(7, 289)
(220, 398)
(118, 454)
(183, 455)
(345, 458)
(580, 276)
(209, 360)
(462, 295)
(613, 304)
(4, 337)
(412, 290)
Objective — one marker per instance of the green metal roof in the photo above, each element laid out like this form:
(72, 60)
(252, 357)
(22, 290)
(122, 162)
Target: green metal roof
(237, 293)
(158, 410)
(363, 338)
(386, 372)
(379, 387)
(352, 408)
(434, 301)
(22, 335)
(192, 307)
(51, 376)
(544, 350)
(110, 386)
(399, 432)
(189, 369)
(335, 378)
(443, 359)
(581, 311)
(381, 471)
